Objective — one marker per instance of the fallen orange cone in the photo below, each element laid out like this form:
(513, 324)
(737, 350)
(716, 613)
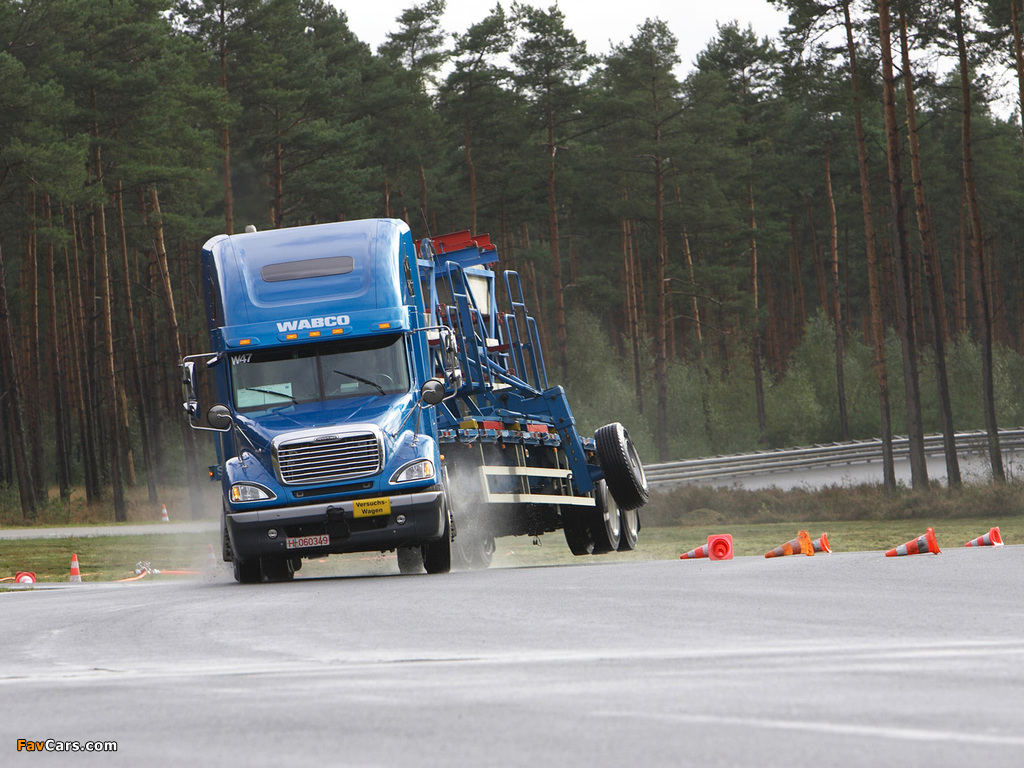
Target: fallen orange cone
(76, 574)
(695, 553)
(919, 546)
(820, 544)
(990, 539)
(24, 577)
(720, 546)
(801, 545)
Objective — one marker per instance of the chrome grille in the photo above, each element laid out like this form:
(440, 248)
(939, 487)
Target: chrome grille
(329, 458)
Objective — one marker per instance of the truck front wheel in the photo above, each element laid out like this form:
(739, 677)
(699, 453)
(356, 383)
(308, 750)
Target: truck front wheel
(437, 555)
(247, 571)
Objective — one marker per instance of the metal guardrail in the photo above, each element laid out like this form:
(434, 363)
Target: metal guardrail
(821, 456)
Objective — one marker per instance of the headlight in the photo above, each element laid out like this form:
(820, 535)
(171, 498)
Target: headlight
(421, 469)
(249, 492)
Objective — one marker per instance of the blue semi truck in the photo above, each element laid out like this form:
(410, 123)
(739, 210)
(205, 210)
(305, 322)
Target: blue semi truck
(368, 393)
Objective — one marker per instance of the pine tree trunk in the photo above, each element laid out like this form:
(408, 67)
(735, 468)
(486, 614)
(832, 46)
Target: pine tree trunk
(977, 241)
(931, 267)
(471, 169)
(112, 393)
(756, 340)
(1018, 57)
(798, 320)
(632, 326)
(11, 405)
(877, 334)
(57, 377)
(80, 347)
(844, 427)
(136, 360)
(556, 261)
(661, 310)
(901, 261)
(225, 131)
(188, 443)
(705, 390)
(32, 395)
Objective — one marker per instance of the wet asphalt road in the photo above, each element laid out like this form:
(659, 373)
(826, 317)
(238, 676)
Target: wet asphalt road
(844, 660)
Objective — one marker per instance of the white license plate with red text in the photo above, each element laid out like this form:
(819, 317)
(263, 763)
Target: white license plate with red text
(301, 542)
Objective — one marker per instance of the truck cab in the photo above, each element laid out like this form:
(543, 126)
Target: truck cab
(338, 378)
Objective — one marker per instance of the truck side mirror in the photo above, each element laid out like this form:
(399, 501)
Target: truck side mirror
(219, 417)
(188, 382)
(195, 388)
(432, 392)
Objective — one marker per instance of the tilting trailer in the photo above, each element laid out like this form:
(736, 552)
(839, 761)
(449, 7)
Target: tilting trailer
(370, 395)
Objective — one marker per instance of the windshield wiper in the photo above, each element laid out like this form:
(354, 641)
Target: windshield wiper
(273, 392)
(361, 380)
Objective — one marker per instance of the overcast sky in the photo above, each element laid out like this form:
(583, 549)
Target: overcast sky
(595, 21)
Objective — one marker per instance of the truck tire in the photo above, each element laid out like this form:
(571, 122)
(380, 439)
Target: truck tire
(247, 571)
(630, 529)
(275, 569)
(623, 470)
(606, 523)
(576, 528)
(472, 550)
(437, 555)
(410, 560)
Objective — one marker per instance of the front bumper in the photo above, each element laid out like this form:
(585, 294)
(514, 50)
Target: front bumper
(249, 533)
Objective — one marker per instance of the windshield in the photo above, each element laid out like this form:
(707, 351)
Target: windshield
(328, 371)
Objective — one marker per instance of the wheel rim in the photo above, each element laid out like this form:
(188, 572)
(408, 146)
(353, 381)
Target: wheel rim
(634, 459)
(612, 516)
(630, 523)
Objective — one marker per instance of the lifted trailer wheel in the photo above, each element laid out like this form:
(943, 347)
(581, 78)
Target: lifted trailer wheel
(623, 470)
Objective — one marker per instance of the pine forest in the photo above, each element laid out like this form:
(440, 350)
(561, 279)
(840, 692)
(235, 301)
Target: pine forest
(811, 238)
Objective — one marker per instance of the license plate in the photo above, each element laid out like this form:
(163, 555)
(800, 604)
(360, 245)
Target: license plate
(371, 507)
(300, 542)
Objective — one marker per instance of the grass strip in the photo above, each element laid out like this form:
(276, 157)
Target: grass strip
(111, 558)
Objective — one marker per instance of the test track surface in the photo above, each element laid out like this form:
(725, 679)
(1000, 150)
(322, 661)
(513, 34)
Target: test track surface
(844, 660)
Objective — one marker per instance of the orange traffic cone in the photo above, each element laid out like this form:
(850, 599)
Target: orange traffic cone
(211, 559)
(695, 553)
(918, 546)
(76, 574)
(801, 545)
(720, 546)
(163, 514)
(24, 577)
(990, 539)
(820, 544)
